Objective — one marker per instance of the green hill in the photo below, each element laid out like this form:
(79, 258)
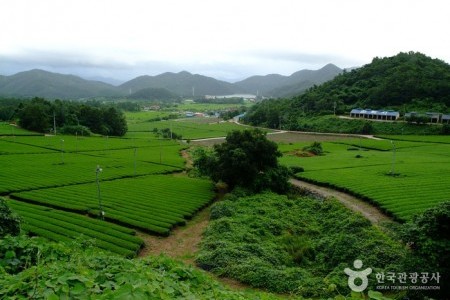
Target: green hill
(411, 79)
(154, 94)
(182, 84)
(39, 83)
(275, 85)
(407, 81)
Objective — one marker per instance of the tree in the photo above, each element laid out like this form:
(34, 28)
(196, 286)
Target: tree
(428, 235)
(9, 222)
(36, 115)
(247, 159)
(115, 121)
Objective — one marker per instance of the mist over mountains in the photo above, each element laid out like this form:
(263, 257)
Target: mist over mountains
(40, 83)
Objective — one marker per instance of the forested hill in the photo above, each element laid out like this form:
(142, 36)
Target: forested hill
(181, 84)
(275, 85)
(411, 81)
(52, 85)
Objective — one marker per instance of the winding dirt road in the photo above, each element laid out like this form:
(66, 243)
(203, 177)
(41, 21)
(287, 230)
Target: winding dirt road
(370, 212)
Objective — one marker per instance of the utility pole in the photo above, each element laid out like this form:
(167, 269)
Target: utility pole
(135, 149)
(62, 151)
(54, 123)
(393, 158)
(97, 172)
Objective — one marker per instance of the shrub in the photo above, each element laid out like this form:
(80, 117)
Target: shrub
(9, 221)
(315, 148)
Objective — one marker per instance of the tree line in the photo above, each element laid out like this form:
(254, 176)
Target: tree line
(66, 117)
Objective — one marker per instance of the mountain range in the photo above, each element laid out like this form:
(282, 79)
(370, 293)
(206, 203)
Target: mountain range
(40, 83)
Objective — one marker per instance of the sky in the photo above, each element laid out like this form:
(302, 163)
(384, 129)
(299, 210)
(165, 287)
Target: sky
(225, 39)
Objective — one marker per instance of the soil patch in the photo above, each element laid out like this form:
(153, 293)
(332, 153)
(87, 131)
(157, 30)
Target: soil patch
(183, 241)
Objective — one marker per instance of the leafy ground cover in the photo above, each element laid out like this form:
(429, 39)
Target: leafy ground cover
(43, 270)
(403, 183)
(293, 245)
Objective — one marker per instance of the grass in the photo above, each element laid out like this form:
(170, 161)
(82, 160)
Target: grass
(7, 129)
(420, 181)
(187, 128)
(441, 139)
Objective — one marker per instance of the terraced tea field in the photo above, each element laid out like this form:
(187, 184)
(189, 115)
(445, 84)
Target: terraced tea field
(421, 172)
(50, 181)
(153, 204)
(59, 225)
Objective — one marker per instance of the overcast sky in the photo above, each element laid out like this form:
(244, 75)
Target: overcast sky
(225, 39)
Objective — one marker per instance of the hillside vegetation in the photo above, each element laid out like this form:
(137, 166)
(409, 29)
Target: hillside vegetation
(33, 268)
(407, 81)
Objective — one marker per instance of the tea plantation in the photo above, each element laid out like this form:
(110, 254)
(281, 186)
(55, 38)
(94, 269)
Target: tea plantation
(402, 182)
(51, 182)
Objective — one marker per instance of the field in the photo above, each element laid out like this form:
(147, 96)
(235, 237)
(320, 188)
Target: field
(188, 128)
(153, 204)
(403, 182)
(51, 182)
(12, 130)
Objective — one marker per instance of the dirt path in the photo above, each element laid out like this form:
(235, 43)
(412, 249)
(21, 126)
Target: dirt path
(373, 214)
(183, 244)
(183, 241)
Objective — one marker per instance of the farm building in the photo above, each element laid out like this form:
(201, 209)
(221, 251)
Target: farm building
(446, 119)
(431, 117)
(374, 114)
(434, 117)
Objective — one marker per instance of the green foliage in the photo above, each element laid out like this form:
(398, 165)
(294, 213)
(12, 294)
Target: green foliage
(292, 245)
(75, 130)
(41, 115)
(167, 133)
(315, 148)
(9, 222)
(298, 247)
(33, 268)
(36, 115)
(247, 159)
(428, 235)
